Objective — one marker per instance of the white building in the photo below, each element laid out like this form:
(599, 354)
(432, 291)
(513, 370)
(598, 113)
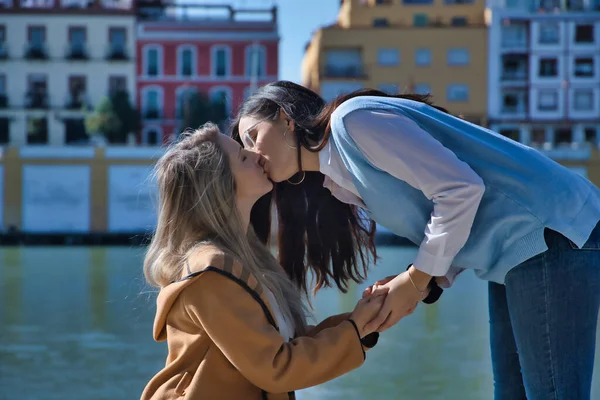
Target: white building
(544, 74)
(58, 58)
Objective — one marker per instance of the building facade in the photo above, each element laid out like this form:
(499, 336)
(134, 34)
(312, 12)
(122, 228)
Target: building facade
(215, 50)
(423, 46)
(544, 76)
(58, 58)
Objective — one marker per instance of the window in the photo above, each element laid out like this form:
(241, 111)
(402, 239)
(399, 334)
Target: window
(220, 61)
(423, 57)
(389, 88)
(538, 137)
(37, 131)
(422, 88)
(184, 96)
(548, 67)
(3, 50)
(459, 1)
(344, 63)
(2, 84)
(152, 61)
(457, 92)
(422, 2)
(383, 2)
(77, 89)
(116, 84)
(458, 56)
(420, 20)
(77, 39)
(514, 67)
(256, 61)
(380, 22)
(584, 67)
(514, 101)
(152, 102)
(584, 33)
(459, 21)
(152, 136)
(4, 130)
(591, 135)
(563, 136)
(388, 57)
(37, 95)
(221, 95)
(583, 99)
(37, 36)
(549, 32)
(117, 38)
(514, 34)
(185, 61)
(547, 100)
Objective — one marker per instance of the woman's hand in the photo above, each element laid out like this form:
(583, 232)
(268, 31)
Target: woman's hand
(366, 309)
(401, 300)
(371, 289)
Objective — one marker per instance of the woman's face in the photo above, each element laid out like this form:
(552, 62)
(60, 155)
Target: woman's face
(250, 178)
(274, 140)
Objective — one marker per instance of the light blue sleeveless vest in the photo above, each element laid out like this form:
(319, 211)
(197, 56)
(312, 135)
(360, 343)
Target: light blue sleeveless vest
(525, 191)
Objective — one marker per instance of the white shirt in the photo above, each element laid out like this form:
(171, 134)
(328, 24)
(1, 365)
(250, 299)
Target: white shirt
(397, 145)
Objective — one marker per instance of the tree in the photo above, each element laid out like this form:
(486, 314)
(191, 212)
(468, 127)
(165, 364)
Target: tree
(114, 117)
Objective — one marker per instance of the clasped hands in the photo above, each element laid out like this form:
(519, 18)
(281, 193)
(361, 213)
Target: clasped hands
(401, 297)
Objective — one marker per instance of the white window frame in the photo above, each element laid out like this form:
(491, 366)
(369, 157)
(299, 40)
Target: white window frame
(153, 127)
(458, 64)
(161, 100)
(180, 50)
(381, 53)
(262, 58)
(213, 61)
(146, 49)
(228, 95)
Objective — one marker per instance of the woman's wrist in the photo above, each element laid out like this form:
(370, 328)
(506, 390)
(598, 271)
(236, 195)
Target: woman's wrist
(421, 279)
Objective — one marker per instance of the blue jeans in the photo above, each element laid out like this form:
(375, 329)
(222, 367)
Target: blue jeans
(543, 323)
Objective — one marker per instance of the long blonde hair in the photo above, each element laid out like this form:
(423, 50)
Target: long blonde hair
(197, 204)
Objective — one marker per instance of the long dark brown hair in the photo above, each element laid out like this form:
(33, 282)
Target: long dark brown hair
(316, 231)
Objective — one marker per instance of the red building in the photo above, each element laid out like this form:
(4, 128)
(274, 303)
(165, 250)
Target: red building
(213, 49)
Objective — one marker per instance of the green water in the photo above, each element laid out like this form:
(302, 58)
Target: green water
(75, 323)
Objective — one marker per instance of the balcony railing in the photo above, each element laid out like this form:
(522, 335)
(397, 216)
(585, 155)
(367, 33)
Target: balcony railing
(514, 109)
(36, 100)
(344, 71)
(514, 75)
(36, 52)
(76, 52)
(117, 53)
(77, 101)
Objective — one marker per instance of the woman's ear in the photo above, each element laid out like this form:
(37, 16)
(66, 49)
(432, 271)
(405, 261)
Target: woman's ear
(289, 122)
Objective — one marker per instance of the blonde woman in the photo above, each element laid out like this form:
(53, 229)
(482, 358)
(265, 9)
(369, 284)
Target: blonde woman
(233, 320)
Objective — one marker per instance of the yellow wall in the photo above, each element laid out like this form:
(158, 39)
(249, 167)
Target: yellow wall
(437, 75)
(13, 163)
(354, 14)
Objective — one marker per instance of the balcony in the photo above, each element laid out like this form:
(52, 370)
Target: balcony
(344, 71)
(77, 101)
(117, 53)
(77, 52)
(36, 52)
(514, 67)
(514, 102)
(36, 100)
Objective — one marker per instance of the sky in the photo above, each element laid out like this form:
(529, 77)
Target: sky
(297, 19)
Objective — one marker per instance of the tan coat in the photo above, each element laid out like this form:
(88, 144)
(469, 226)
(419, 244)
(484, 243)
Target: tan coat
(224, 343)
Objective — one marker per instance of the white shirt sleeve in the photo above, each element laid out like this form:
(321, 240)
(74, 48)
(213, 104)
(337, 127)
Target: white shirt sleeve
(399, 146)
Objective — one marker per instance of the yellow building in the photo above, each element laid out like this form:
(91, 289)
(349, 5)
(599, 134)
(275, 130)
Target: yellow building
(423, 46)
